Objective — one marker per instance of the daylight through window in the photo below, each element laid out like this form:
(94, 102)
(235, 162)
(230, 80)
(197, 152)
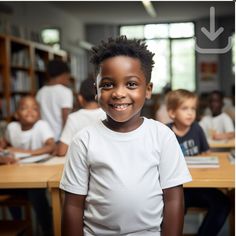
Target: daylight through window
(173, 45)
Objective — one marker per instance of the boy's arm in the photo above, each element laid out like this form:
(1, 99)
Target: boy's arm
(3, 143)
(72, 215)
(48, 147)
(62, 149)
(173, 214)
(222, 136)
(65, 112)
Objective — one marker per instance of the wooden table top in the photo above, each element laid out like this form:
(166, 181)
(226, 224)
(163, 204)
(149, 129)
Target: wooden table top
(222, 143)
(221, 177)
(43, 176)
(27, 175)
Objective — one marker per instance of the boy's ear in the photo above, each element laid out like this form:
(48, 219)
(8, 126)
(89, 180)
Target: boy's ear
(171, 114)
(149, 90)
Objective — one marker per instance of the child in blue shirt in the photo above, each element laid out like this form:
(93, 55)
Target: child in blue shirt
(182, 106)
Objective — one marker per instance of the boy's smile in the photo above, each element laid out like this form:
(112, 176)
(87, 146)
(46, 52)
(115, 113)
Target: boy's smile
(28, 112)
(122, 90)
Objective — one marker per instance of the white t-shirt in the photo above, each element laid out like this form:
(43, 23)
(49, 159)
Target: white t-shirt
(78, 120)
(221, 124)
(28, 139)
(123, 175)
(52, 100)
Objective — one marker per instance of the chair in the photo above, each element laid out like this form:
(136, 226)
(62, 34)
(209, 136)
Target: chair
(12, 227)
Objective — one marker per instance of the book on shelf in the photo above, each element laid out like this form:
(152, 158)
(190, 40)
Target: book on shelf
(202, 161)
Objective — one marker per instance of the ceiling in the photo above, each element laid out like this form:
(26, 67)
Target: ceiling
(133, 12)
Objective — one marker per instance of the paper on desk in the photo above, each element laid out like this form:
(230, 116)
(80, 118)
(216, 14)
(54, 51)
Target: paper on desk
(55, 161)
(202, 161)
(34, 159)
(21, 155)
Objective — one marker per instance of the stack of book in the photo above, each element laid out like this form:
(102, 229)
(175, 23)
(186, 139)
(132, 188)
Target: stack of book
(202, 162)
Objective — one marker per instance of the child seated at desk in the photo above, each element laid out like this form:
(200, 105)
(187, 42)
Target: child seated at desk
(28, 134)
(182, 106)
(31, 135)
(218, 125)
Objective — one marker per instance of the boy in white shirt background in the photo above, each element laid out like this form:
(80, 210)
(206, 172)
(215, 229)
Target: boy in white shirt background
(31, 135)
(218, 125)
(87, 115)
(55, 99)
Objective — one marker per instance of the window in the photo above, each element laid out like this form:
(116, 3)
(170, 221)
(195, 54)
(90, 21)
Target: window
(51, 37)
(173, 45)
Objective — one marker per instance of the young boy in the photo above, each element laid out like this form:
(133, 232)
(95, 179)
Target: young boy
(218, 125)
(28, 134)
(124, 175)
(182, 106)
(55, 99)
(90, 113)
(31, 135)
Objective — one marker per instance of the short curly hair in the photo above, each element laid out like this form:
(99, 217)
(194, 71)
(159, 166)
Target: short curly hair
(121, 46)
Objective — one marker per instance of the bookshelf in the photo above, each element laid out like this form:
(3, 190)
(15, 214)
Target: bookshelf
(22, 70)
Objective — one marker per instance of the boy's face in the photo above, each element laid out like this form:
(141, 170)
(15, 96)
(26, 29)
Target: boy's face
(122, 89)
(185, 114)
(216, 104)
(28, 112)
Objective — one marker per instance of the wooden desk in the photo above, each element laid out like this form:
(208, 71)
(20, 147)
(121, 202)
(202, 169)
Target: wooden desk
(226, 144)
(26, 175)
(30, 176)
(222, 177)
(48, 176)
(53, 185)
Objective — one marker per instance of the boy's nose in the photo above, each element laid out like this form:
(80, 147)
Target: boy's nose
(119, 93)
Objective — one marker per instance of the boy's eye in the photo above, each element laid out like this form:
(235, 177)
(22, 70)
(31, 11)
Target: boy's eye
(106, 85)
(132, 85)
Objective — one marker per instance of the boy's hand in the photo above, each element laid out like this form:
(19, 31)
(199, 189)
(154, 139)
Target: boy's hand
(3, 144)
(218, 136)
(7, 160)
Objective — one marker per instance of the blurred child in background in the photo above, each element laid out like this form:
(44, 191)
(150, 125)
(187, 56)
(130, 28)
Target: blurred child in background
(90, 113)
(218, 125)
(31, 135)
(55, 99)
(182, 106)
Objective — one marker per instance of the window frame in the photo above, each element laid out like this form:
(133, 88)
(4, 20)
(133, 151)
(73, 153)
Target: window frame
(171, 39)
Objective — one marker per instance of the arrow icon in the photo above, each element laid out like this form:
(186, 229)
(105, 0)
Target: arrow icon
(212, 34)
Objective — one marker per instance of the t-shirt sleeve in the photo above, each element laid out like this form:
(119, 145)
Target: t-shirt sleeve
(66, 100)
(228, 124)
(173, 169)
(75, 176)
(45, 131)
(67, 132)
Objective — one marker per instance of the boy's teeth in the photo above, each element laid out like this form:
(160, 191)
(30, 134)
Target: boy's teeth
(120, 106)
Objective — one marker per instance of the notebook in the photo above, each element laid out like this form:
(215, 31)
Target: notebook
(28, 158)
(202, 161)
